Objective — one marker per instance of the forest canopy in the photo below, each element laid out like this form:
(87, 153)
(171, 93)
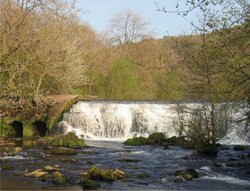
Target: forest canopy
(46, 50)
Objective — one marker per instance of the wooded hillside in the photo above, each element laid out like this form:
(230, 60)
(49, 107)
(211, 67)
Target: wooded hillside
(46, 50)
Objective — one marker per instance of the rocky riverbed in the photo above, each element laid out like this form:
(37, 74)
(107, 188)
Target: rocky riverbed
(146, 167)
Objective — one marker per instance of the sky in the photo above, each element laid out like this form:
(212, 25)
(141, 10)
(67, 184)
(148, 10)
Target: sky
(98, 13)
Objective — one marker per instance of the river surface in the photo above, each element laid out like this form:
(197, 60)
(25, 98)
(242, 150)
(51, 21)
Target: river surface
(153, 168)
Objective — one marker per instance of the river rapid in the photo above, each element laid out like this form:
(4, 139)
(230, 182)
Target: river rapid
(150, 168)
(105, 125)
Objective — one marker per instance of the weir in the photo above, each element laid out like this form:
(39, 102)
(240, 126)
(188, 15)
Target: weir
(120, 120)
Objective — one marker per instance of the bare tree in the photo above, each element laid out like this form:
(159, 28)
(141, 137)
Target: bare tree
(127, 26)
(43, 50)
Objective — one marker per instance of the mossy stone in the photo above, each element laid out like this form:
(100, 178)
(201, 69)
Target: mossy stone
(187, 174)
(89, 184)
(94, 172)
(28, 129)
(107, 175)
(136, 141)
(59, 178)
(6, 166)
(6, 130)
(69, 140)
(179, 141)
(157, 139)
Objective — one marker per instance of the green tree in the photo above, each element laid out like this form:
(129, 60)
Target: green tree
(123, 82)
(216, 68)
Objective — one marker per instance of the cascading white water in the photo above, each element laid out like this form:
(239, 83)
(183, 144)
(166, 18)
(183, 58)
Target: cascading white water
(107, 120)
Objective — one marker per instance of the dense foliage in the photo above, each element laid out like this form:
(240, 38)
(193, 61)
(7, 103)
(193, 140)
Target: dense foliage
(45, 50)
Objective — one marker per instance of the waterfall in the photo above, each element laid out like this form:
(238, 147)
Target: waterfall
(114, 120)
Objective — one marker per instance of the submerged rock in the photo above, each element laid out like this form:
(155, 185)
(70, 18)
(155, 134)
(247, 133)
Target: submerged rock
(143, 175)
(69, 140)
(28, 143)
(127, 160)
(89, 184)
(240, 147)
(63, 151)
(6, 166)
(68, 160)
(188, 174)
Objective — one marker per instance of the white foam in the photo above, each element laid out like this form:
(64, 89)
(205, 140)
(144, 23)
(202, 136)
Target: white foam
(228, 179)
(16, 157)
(118, 121)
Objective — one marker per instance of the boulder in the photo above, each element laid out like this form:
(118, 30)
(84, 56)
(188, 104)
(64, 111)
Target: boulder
(105, 175)
(69, 140)
(188, 174)
(119, 174)
(63, 151)
(179, 141)
(89, 184)
(50, 169)
(157, 139)
(37, 173)
(136, 141)
(59, 178)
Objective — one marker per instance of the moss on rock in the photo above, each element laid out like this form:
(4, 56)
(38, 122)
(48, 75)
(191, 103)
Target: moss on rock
(179, 141)
(59, 178)
(6, 130)
(28, 129)
(89, 184)
(188, 174)
(136, 141)
(106, 175)
(157, 139)
(69, 140)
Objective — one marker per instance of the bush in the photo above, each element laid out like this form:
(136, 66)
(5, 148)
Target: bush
(157, 139)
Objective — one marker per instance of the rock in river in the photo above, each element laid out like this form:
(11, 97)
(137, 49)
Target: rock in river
(187, 174)
(63, 151)
(37, 173)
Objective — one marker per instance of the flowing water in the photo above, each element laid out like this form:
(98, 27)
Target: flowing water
(118, 121)
(152, 168)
